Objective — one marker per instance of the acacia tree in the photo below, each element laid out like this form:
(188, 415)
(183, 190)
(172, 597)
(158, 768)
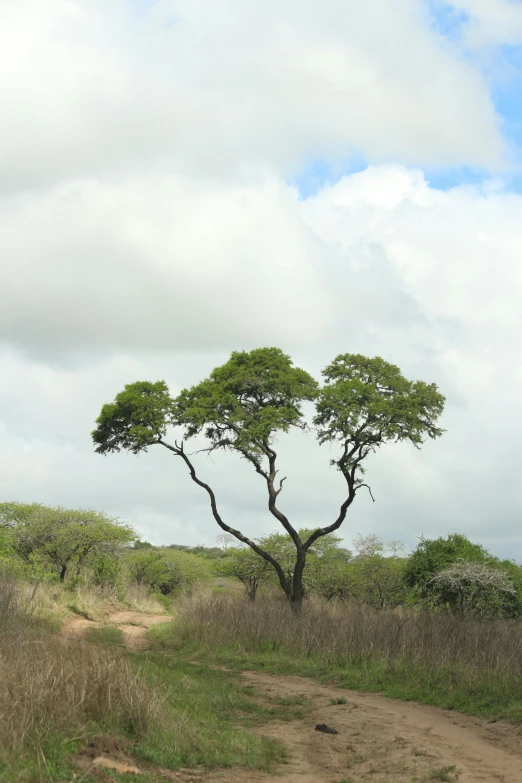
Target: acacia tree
(377, 572)
(246, 403)
(251, 570)
(61, 536)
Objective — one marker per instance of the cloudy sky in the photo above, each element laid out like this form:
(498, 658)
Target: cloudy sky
(184, 178)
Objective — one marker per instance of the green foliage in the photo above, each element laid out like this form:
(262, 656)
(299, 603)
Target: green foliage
(244, 564)
(378, 581)
(476, 587)
(255, 396)
(376, 574)
(324, 573)
(435, 556)
(431, 556)
(369, 401)
(330, 575)
(6, 548)
(54, 538)
(107, 570)
(166, 570)
(138, 417)
(246, 401)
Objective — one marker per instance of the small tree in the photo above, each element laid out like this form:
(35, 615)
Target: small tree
(244, 564)
(377, 572)
(225, 541)
(477, 588)
(60, 536)
(329, 575)
(323, 572)
(166, 570)
(254, 397)
(433, 556)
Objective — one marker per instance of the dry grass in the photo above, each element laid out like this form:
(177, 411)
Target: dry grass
(139, 597)
(57, 692)
(52, 599)
(435, 657)
(54, 687)
(352, 631)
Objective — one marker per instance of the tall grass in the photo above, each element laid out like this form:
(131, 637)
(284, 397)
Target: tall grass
(51, 598)
(52, 687)
(56, 693)
(436, 657)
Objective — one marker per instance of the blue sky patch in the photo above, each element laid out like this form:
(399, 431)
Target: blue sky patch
(447, 20)
(319, 172)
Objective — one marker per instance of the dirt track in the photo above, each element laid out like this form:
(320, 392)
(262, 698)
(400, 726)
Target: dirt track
(132, 624)
(382, 739)
(379, 739)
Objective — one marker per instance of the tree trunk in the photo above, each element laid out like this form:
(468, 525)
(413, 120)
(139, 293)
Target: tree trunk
(251, 588)
(297, 593)
(62, 573)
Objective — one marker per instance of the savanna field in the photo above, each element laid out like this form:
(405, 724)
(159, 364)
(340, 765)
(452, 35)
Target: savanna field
(165, 660)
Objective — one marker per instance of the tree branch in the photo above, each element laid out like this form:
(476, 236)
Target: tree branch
(368, 488)
(179, 452)
(272, 497)
(280, 486)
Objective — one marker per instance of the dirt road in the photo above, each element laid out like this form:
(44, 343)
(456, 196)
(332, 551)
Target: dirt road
(382, 739)
(378, 739)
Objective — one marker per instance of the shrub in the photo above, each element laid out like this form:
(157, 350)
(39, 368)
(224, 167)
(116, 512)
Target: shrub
(477, 588)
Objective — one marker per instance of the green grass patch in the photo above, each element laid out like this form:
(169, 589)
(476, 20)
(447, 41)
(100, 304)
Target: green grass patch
(105, 634)
(212, 710)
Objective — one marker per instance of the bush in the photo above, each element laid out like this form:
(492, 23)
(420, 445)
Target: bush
(107, 571)
(477, 588)
(434, 557)
(167, 570)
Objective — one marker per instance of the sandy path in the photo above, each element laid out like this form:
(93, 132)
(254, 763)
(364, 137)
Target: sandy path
(379, 739)
(133, 625)
(383, 739)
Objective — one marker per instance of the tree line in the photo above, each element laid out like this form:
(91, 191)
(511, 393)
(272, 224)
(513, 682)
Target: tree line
(448, 573)
(78, 545)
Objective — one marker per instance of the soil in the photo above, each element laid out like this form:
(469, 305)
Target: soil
(380, 740)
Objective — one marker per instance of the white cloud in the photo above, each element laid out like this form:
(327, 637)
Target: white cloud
(207, 87)
(428, 279)
(491, 21)
(147, 230)
(158, 264)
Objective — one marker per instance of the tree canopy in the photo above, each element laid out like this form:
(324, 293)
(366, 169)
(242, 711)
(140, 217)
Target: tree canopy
(245, 404)
(59, 536)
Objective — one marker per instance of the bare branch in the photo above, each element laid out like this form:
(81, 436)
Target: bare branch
(178, 450)
(368, 488)
(280, 485)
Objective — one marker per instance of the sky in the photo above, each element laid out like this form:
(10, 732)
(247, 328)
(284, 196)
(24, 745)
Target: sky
(184, 178)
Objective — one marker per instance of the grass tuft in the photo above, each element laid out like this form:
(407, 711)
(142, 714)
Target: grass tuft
(446, 774)
(108, 635)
